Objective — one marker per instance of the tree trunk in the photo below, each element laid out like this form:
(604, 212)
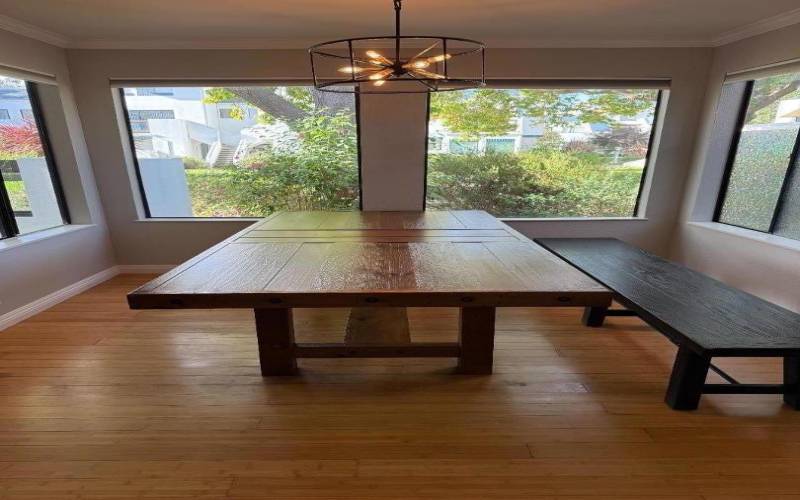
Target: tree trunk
(265, 99)
(757, 105)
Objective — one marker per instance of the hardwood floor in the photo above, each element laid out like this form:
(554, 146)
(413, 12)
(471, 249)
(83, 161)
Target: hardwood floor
(98, 401)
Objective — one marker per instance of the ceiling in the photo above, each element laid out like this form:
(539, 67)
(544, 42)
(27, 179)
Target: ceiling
(295, 23)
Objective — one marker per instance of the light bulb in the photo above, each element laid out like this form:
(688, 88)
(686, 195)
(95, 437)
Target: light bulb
(439, 58)
(380, 75)
(417, 64)
(377, 57)
(428, 74)
(351, 69)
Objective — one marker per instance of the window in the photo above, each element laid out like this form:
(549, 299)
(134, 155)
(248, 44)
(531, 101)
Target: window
(30, 196)
(243, 151)
(153, 91)
(530, 152)
(152, 114)
(139, 118)
(761, 188)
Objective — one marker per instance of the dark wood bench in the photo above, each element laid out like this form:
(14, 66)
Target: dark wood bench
(704, 317)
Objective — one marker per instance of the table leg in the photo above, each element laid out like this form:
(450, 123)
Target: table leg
(275, 332)
(791, 380)
(687, 380)
(476, 338)
(594, 316)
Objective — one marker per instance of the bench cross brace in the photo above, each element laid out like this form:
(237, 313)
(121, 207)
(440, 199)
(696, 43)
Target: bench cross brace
(687, 383)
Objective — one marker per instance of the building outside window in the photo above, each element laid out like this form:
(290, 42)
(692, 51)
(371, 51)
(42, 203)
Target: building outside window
(231, 152)
(534, 153)
(30, 196)
(761, 187)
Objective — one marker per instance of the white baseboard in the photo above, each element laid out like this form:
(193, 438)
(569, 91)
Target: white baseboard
(22, 313)
(144, 268)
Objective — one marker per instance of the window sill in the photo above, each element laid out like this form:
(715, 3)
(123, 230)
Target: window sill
(45, 234)
(577, 219)
(201, 219)
(769, 239)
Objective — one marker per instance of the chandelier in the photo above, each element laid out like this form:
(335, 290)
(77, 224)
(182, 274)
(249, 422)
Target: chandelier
(408, 64)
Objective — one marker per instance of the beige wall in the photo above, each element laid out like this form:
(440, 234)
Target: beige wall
(765, 265)
(167, 242)
(31, 270)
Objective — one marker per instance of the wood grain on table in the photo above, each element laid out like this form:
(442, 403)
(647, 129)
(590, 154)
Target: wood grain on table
(349, 259)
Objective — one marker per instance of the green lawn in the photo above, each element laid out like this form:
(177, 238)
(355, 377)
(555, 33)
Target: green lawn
(16, 191)
(209, 190)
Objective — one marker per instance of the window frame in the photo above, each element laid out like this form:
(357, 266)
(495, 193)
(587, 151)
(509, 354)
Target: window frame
(733, 150)
(135, 160)
(649, 157)
(8, 222)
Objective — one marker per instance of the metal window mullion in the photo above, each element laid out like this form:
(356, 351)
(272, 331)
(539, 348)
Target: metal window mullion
(8, 225)
(785, 185)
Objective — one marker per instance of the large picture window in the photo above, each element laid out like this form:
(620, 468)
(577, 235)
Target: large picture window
(534, 153)
(243, 151)
(761, 187)
(30, 195)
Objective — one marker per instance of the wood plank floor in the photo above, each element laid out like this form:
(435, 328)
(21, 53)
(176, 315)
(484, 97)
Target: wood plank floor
(98, 401)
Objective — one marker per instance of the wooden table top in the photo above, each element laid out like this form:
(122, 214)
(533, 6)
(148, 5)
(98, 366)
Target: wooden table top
(349, 259)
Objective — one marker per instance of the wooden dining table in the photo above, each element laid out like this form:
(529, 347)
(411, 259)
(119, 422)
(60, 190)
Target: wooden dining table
(464, 259)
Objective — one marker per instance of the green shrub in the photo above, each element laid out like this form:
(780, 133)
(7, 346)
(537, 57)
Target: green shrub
(190, 162)
(542, 182)
(319, 171)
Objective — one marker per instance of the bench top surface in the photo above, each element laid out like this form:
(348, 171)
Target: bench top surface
(320, 257)
(714, 317)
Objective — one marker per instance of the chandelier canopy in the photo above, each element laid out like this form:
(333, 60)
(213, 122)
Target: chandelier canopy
(408, 64)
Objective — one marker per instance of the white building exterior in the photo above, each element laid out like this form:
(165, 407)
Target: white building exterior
(15, 107)
(170, 122)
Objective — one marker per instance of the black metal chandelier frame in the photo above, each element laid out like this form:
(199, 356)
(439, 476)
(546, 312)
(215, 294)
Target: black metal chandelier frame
(397, 69)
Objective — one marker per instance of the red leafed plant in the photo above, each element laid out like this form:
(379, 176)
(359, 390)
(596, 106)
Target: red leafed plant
(20, 141)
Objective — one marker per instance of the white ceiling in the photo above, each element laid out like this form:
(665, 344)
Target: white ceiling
(508, 23)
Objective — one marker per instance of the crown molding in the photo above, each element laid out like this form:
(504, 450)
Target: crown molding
(758, 28)
(743, 32)
(294, 44)
(31, 31)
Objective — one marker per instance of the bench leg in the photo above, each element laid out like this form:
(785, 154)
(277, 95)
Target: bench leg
(594, 316)
(791, 380)
(275, 332)
(687, 380)
(476, 339)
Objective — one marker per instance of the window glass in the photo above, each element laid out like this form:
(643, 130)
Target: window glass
(243, 151)
(540, 152)
(25, 167)
(762, 156)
